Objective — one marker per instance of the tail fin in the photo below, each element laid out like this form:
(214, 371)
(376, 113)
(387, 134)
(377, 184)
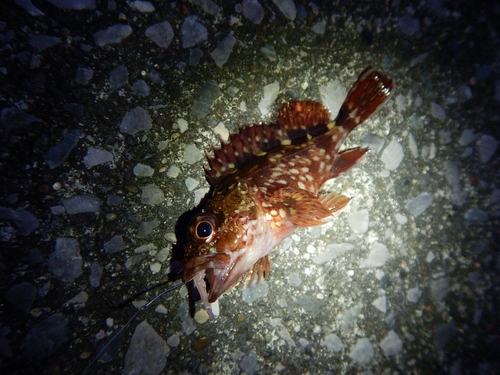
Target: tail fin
(371, 90)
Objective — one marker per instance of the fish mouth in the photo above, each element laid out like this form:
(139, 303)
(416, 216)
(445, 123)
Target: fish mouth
(210, 274)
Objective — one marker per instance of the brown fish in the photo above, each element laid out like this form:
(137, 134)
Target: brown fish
(265, 182)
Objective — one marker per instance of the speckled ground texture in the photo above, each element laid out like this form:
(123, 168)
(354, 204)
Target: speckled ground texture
(102, 134)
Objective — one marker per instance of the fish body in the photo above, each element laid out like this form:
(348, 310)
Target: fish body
(265, 183)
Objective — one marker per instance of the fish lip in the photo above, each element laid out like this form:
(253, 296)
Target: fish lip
(205, 262)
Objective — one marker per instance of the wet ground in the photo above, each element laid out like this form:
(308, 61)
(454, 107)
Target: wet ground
(101, 139)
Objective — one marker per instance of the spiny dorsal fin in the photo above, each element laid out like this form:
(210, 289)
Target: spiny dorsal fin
(297, 120)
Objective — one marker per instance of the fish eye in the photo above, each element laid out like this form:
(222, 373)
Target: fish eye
(203, 228)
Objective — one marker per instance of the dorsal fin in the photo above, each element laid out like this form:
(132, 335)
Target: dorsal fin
(296, 121)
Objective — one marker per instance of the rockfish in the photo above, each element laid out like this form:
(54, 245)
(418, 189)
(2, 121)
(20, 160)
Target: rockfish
(265, 183)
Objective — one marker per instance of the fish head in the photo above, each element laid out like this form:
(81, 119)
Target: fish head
(224, 241)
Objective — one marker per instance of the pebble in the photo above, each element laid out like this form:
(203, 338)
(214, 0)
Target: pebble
(255, 291)
(29, 7)
(332, 251)
(83, 76)
(333, 343)
(440, 288)
(174, 341)
(195, 54)
(113, 200)
(136, 120)
(161, 34)
(66, 262)
(118, 77)
(147, 227)
(380, 304)
(413, 294)
(140, 88)
(253, 11)
(97, 156)
(287, 7)
(143, 170)
(452, 176)
(73, 4)
(43, 42)
(420, 203)
(95, 275)
(201, 316)
(438, 112)
(412, 145)
(391, 344)
(377, 257)
(80, 298)
(81, 204)
(191, 183)
(249, 364)
(476, 215)
(155, 267)
(143, 6)
(152, 195)
(401, 219)
(487, 146)
(22, 296)
(362, 353)
(294, 280)
(358, 221)
(192, 32)
(204, 98)
(192, 154)
(222, 131)
(319, 27)
(13, 117)
(409, 25)
(270, 52)
(271, 92)
(112, 35)
(56, 155)
(373, 142)
(393, 155)
(173, 171)
(25, 222)
(443, 334)
(114, 245)
(147, 352)
(221, 53)
(46, 337)
(145, 248)
(466, 137)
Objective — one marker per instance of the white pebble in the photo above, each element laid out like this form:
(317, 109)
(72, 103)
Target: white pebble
(438, 112)
(393, 155)
(142, 170)
(173, 171)
(183, 124)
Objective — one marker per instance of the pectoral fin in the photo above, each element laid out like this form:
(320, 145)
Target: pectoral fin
(346, 160)
(306, 209)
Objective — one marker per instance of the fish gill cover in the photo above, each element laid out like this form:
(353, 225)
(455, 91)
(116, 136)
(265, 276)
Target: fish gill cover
(107, 109)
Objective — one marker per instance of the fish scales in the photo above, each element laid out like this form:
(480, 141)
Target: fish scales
(265, 183)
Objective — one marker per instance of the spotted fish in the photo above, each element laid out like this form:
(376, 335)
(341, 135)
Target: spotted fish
(265, 183)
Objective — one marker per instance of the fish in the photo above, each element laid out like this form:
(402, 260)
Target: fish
(265, 182)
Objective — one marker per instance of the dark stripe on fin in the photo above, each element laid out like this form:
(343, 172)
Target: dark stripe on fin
(371, 90)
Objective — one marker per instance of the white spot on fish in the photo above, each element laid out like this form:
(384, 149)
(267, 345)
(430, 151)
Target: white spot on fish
(301, 185)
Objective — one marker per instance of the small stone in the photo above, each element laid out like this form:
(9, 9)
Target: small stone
(438, 112)
(147, 352)
(112, 35)
(95, 275)
(359, 221)
(114, 245)
(97, 156)
(161, 34)
(113, 200)
(46, 337)
(155, 267)
(271, 92)
(287, 7)
(73, 4)
(143, 6)
(391, 344)
(140, 88)
(393, 155)
(147, 227)
(136, 120)
(253, 11)
(487, 146)
(409, 25)
(191, 183)
(332, 251)
(333, 343)
(173, 171)
(25, 222)
(378, 256)
(373, 142)
(362, 353)
(204, 98)
(173, 341)
(83, 76)
(380, 304)
(66, 262)
(142, 170)
(255, 291)
(43, 42)
(192, 154)
(80, 298)
(56, 155)
(81, 204)
(192, 32)
(420, 203)
(221, 53)
(413, 294)
(22, 296)
(118, 77)
(152, 195)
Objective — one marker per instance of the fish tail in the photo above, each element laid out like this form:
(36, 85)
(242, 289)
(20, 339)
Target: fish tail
(371, 90)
